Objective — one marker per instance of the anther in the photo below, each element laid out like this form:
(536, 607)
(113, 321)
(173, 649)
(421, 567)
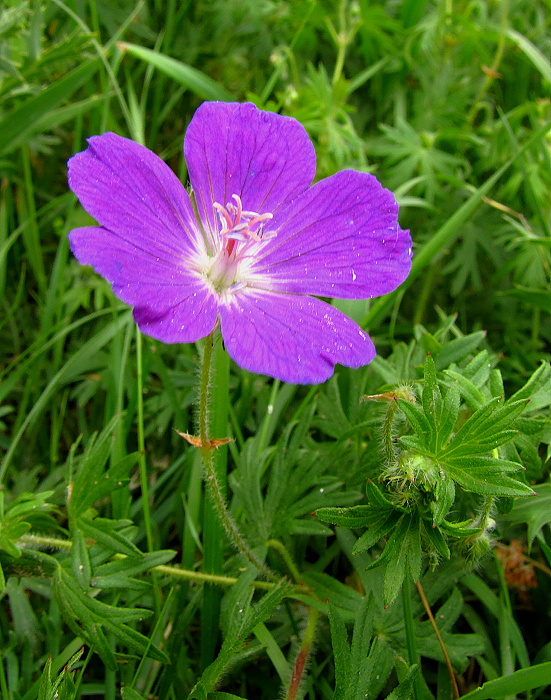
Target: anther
(237, 224)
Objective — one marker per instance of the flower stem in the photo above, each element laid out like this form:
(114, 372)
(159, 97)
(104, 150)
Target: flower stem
(388, 446)
(144, 482)
(211, 478)
(282, 549)
(303, 654)
(492, 73)
(30, 542)
(141, 445)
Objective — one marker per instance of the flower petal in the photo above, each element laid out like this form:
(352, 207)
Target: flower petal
(132, 192)
(340, 239)
(147, 239)
(262, 157)
(137, 275)
(295, 339)
(171, 303)
(194, 317)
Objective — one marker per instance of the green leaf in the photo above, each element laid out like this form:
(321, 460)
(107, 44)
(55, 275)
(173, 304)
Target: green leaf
(402, 555)
(473, 396)
(537, 389)
(430, 398)
(380, 528)
(532, 52)
(447, 416)
(244, 619)
(105, 531)
(69, 370)
(327, 588)
(436, 539)
(446, 234)
(341, 654)
(91, 482)
(363, 653)
(458, 349)
(376, 497)
(478, 369)
(193, 79)
(87, 616)
(518, 682)
(353, 517)
(444, 497)
(485, 430)
(473, 476)
(118, 573)
(63, 687)
(129, 693)
(535, 512)
(419, 422)
(21, 122)
(540, 298)
(355, 664)
(405, 690)
(80, 560)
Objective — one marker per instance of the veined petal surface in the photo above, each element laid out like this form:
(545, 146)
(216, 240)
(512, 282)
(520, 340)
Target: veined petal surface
(191, 318)
(340, 238)
(295, 339)
(147, 240)
(133, 193)
(137, 275)
(262, 157)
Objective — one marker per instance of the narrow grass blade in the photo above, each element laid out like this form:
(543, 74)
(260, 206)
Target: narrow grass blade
(87, 350)
(193, 79)
(19, 124)
(532, 53)
(518, 682)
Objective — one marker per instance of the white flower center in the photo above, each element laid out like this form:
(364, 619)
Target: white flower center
(240, 233)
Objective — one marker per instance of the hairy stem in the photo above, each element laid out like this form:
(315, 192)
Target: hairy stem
(282, 549)
(211, 478)
(492, 74)
(388, 446)
(32, 541)
(303, 654)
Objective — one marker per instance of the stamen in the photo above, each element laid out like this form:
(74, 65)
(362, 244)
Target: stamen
(258, 218)
(237, 225)
(239, 207)
(223, 215)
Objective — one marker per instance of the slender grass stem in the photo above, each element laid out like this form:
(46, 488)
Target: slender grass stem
(426, 605)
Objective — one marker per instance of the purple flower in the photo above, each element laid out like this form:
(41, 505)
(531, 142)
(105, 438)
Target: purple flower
(250, 246)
